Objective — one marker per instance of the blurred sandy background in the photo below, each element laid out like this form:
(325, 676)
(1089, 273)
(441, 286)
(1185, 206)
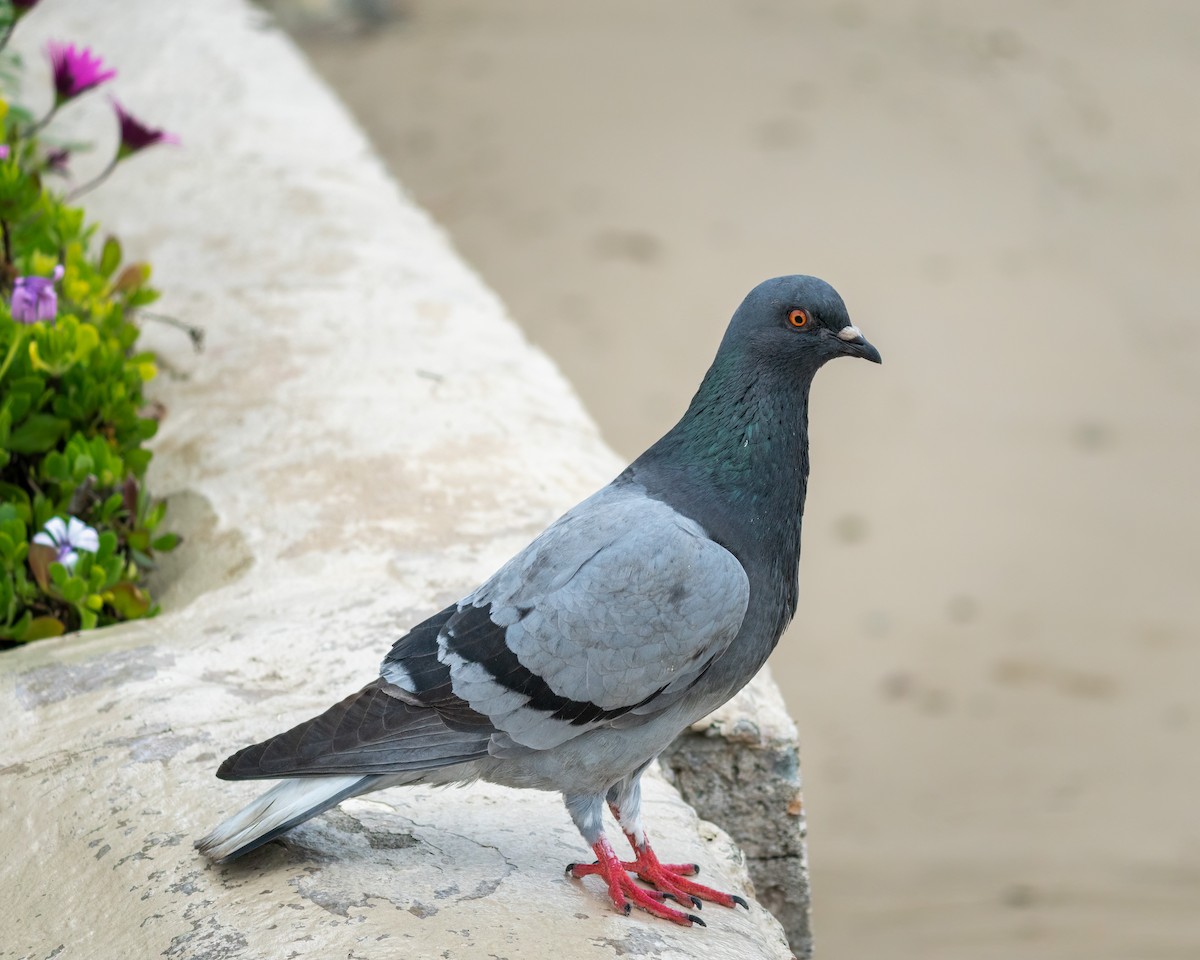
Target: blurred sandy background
(996, 664)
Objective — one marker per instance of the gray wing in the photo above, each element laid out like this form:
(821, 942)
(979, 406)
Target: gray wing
(617, 608)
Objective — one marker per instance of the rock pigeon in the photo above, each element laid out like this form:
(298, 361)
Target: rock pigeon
(636, 613)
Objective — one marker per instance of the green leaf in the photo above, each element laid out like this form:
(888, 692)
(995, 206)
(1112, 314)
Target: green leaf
(37, 434)
(39, 628)
(156, 514)
(7, 600)
(113, 568)
(137, 460)
(82, 466)
(110, 506)
(18, 192)
(168, 541)
(54, 467)
(143, 297)
(59, 575)
(108, 546)
(129, 602)
(110, 256)
(72, 591)
(83, 565)
(17, 630)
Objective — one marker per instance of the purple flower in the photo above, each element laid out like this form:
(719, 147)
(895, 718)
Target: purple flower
(75, 71)
(22, 7)
(135, 135)
(68, 538)
(56, 160)
(34, 299)
(3, 151)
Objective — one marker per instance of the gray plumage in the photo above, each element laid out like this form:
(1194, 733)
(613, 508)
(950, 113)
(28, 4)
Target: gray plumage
(637, 612)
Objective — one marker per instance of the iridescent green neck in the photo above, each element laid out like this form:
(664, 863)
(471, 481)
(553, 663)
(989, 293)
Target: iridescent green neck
(745, 433)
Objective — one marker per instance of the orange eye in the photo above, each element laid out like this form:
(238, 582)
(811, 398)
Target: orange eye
(798, 318)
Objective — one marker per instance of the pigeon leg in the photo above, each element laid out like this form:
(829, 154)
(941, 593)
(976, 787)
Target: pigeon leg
(624, 800)
(671, 878)
(623, 891)
(682, 869)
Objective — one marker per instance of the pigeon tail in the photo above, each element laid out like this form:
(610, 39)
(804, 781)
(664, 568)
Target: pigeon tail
(286, 805)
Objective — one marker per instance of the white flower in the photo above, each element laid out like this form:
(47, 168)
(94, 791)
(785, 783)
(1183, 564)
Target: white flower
(68, 538)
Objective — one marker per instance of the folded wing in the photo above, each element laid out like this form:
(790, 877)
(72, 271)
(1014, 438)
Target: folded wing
(610, 615)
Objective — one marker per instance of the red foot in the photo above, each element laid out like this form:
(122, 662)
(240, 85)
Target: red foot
(668, 880)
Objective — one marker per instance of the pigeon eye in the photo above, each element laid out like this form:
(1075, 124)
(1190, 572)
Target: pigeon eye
(798, 318)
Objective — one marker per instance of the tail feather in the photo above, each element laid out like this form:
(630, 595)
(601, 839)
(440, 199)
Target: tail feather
(373, 731)
(285, 805)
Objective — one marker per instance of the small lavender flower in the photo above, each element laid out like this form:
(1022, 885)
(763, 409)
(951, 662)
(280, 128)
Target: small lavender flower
(135, 135)
(34, 298)
(3, 151)
(76, 71)
(68, 538)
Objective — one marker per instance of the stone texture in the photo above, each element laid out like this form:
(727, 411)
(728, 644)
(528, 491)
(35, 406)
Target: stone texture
(365, 437)
(740, 767)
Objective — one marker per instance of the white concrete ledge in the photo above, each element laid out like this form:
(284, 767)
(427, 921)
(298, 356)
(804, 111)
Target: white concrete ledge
(366, 436)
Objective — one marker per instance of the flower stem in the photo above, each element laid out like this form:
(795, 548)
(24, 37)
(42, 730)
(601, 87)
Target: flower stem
(45, 120)
(12, 351)
(7, 244)
(8, 32)
(196, 334)
(95, 181)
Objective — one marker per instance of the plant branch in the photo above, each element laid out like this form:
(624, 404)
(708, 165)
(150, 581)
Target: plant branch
(195, 333)
(94, 182)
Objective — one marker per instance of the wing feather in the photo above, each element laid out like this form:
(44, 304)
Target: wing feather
(371, 731)
(617, 608)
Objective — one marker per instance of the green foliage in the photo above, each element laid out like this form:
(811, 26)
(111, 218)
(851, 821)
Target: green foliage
(73, 413)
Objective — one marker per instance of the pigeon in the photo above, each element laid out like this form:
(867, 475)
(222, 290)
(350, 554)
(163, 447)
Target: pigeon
(639, 611)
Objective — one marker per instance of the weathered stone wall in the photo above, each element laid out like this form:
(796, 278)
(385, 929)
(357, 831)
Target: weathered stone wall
(740, 767)
(366, 436)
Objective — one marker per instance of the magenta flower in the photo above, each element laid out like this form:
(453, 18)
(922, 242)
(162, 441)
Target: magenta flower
(135, 135)
(34, 298)
(3, 151)
(75, 71)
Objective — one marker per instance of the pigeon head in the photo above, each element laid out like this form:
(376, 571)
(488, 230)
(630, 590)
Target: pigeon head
(744, 437)
(796, 323)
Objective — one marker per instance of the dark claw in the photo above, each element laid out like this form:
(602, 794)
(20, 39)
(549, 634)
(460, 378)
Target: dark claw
(737, 899)
(628, 909)
(696, 868)
(570, 867)
(697, 904)
(696, 920)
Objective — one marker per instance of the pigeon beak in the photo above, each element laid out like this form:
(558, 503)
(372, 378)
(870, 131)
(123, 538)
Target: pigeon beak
(856, 344)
